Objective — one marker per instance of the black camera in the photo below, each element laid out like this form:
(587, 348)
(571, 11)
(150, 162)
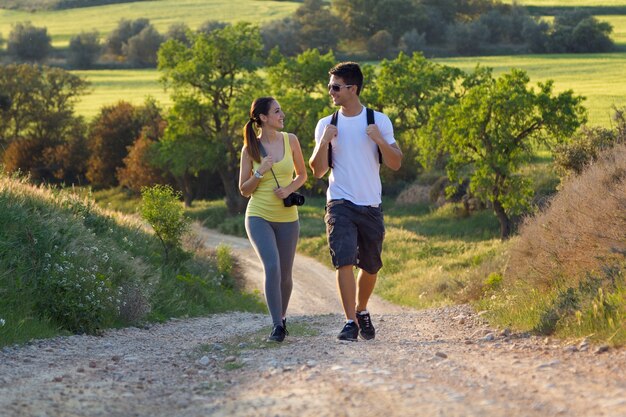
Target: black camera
(293, 199)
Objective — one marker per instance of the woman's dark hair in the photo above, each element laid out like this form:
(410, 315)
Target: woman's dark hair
(259, 106)
(350, 73)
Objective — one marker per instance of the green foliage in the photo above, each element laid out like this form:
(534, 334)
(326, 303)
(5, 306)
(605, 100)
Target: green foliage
(213, 83)
(141, 50)
(161, 208)
(225, 260)
(84, 50)
(29, 43)
(489, 134)
(39, 133)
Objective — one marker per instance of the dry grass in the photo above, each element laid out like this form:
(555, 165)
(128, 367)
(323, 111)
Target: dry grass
(583, 230)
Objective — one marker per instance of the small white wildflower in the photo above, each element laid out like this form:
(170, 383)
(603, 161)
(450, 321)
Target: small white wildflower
(2, 322)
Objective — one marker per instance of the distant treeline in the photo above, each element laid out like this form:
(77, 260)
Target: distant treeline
(354, 30)
(33, 5)
(594, 10)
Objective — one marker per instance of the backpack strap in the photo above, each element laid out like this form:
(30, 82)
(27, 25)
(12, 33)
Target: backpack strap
(333, 121)
(370, 121)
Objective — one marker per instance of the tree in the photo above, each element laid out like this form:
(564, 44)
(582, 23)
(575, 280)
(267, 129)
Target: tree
(408, 99)
(84, 50)
(491, 132)
(43, 135)
(140, 167)
(317, 26)
(125, 30)
(300, 85)
(380, 45)
(141, 50)
(213, 84)
(29, 43)
(110, 135)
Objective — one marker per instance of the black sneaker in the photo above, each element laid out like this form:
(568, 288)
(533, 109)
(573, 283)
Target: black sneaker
(349, 332)
(278, 334)
(366, 328)
(285, 326)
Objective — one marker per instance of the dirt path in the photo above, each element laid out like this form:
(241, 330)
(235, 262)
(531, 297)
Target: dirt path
(439, 362)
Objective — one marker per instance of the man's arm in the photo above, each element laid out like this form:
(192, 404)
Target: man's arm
(319, 160)
(392, 155)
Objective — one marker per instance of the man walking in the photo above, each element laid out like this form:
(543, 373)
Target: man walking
(353, 146)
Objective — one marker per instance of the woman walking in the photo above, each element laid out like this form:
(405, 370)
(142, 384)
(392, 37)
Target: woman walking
(269, 158)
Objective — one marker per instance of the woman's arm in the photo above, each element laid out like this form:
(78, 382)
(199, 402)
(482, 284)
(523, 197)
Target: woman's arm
(299, 166)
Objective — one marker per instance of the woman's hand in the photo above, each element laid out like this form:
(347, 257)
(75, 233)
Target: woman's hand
(266, 164)
(281, 192)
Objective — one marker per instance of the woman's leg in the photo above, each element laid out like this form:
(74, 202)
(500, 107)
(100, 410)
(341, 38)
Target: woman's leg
(263, 239)
(286, 241)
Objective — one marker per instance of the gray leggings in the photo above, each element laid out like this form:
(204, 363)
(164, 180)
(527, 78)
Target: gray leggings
(275, 244)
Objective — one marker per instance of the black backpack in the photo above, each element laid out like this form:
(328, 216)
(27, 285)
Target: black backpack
(333, 121)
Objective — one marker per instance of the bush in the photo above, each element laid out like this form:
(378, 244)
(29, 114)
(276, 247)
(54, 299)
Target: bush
(582, 229)
(573, 157)
(162, 209)
(29, 43)
(84, 50)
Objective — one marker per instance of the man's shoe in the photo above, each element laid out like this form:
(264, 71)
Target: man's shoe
(278, 334)
(366, 328)
(349, 332)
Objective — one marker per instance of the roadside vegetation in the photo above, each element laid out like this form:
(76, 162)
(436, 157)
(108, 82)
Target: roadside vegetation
(68, 266)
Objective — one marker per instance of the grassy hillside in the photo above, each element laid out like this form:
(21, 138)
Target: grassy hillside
(68, 266)
(63, 24)
(567, 269)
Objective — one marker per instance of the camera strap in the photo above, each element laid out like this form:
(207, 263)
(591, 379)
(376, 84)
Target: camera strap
(264, 154)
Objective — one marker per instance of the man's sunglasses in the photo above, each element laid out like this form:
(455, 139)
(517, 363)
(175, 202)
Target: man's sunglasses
(338, 87)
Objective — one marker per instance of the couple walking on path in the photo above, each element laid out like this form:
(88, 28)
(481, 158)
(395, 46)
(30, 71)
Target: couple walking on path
(352, 143)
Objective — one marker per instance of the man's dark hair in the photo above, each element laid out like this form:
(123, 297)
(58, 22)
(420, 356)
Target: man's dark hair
(5, 102)
(350, 73)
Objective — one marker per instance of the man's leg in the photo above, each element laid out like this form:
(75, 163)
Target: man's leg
(364, 289)
(347, 290)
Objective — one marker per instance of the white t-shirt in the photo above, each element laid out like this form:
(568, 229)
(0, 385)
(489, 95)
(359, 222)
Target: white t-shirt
(355, 173)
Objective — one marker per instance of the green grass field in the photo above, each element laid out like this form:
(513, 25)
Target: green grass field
(110, 86)
(598, 77)
(63, 24)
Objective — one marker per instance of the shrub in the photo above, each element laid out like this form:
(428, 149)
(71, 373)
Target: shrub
(581, 230)
(162, 209)
(584, 148)
(28, 42)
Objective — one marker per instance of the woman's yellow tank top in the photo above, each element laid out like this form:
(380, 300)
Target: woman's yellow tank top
(263, 202)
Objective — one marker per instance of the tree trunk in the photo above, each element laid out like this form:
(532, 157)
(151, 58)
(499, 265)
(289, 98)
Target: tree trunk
(235, 202)
(185, 183)
(505, 222)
